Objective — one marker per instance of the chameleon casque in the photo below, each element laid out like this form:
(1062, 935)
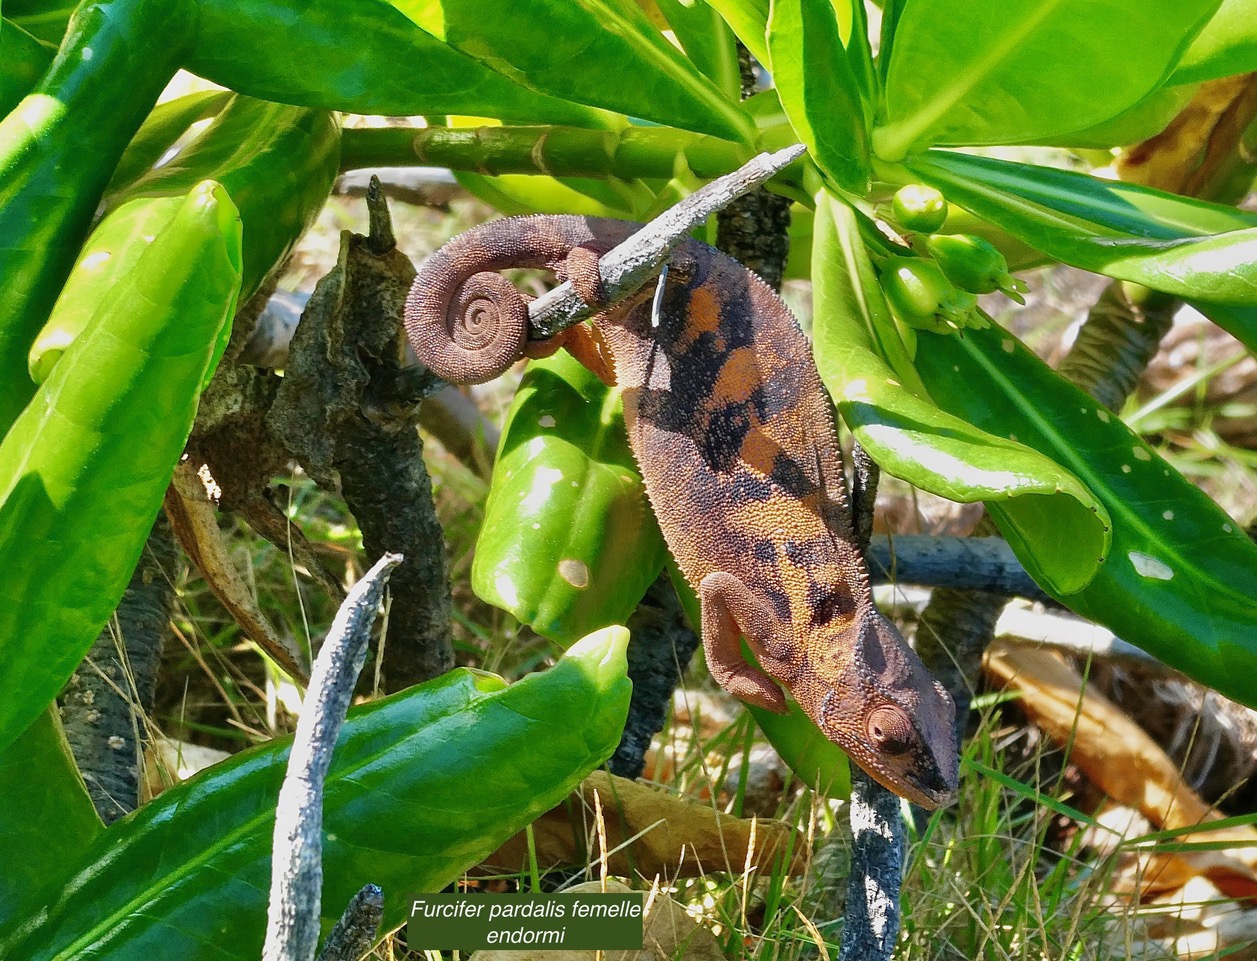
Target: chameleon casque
(734, 437)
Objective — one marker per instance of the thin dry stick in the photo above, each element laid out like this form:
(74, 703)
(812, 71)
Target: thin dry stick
(292, 924)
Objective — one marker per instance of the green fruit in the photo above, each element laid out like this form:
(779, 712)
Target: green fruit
(973, 264)
(922, 297)
(919, 209)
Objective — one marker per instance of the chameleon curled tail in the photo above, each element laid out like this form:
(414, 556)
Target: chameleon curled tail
(468, 323)
(735, 440)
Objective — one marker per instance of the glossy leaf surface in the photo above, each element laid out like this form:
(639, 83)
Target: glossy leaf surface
(423, 785)
(1188, 248)
(1226, 46)
(1181, 579)
(548, 44)
(276, 162)
(321, 62)
(57, 150)
(166, 124)
(39, 779)
(77, 493)
(818, 89)
(1015, 71)
(1055, 524)
(569, 543)
(23, 59)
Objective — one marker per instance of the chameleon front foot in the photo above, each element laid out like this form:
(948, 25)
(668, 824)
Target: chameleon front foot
(728, 612)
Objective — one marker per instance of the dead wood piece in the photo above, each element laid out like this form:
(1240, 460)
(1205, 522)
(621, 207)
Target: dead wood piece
(341, 413)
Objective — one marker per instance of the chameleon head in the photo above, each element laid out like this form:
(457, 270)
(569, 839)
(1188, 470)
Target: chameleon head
(887, 712)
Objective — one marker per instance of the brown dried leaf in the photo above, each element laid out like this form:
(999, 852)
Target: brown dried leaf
(194, 520)
(1128, 765)
(671, 836)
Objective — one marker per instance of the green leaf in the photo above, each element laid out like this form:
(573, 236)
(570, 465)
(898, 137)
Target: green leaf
(818, 89)
(1144, 120)
(359, 56)
(569, 543)
(23, 59)
(276, 162)
(538, 194)
(706, 40)
(1181, 579)
(1188, 248)
(423, 785)
(45, 19)
(1055, 524)
(166, 124)
(1017, 71)
(51, 818)
(749, 20)
(1225, 47)
(85, 467)
(57, 150)
(584, 50)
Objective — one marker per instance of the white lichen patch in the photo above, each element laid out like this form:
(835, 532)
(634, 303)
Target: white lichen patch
(1008, 346)
(1103, 415)
(1146, 566)
(546, 420)
(1141, 454)
(1168, 515)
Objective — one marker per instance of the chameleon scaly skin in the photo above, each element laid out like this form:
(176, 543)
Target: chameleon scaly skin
(729, 424)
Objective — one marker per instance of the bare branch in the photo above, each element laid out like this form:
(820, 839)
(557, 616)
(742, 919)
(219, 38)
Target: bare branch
(292, 928)
(626, 268)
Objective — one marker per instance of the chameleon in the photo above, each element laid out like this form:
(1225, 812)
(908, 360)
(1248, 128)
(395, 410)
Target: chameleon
(734, 437)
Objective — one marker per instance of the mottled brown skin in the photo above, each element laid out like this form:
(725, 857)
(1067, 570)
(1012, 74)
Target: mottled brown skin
(730, 427)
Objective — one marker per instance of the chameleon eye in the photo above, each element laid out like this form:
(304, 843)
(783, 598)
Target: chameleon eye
(890, 729)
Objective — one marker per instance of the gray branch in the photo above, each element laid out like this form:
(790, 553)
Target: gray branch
(627, 267)
(354, 933)
(292, 928)
(871, 924)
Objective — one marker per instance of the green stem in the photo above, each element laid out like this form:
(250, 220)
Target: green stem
(647, 152)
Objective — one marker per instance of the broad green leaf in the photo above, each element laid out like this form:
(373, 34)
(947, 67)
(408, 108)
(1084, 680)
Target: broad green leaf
(1016, 71)
(85, 467)
(569, 543)
(1226, 46)
(57, 150)
(748, 19)
(423, 785)
(276, 162)
(706, 40)
(818, 762)
(860, 54)
(1146, 119)
(166, 124)
(1054, 522)
(818, 89)
(1188, 248)
(1181, 579)
(50, 819)
(584, 50)
(362, 56)
(23, 59)
(45, 19)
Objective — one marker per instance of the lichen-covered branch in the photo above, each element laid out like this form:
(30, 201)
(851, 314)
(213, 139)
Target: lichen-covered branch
(106, 704)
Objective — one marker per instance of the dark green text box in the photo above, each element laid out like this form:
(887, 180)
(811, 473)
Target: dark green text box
(555, 922)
